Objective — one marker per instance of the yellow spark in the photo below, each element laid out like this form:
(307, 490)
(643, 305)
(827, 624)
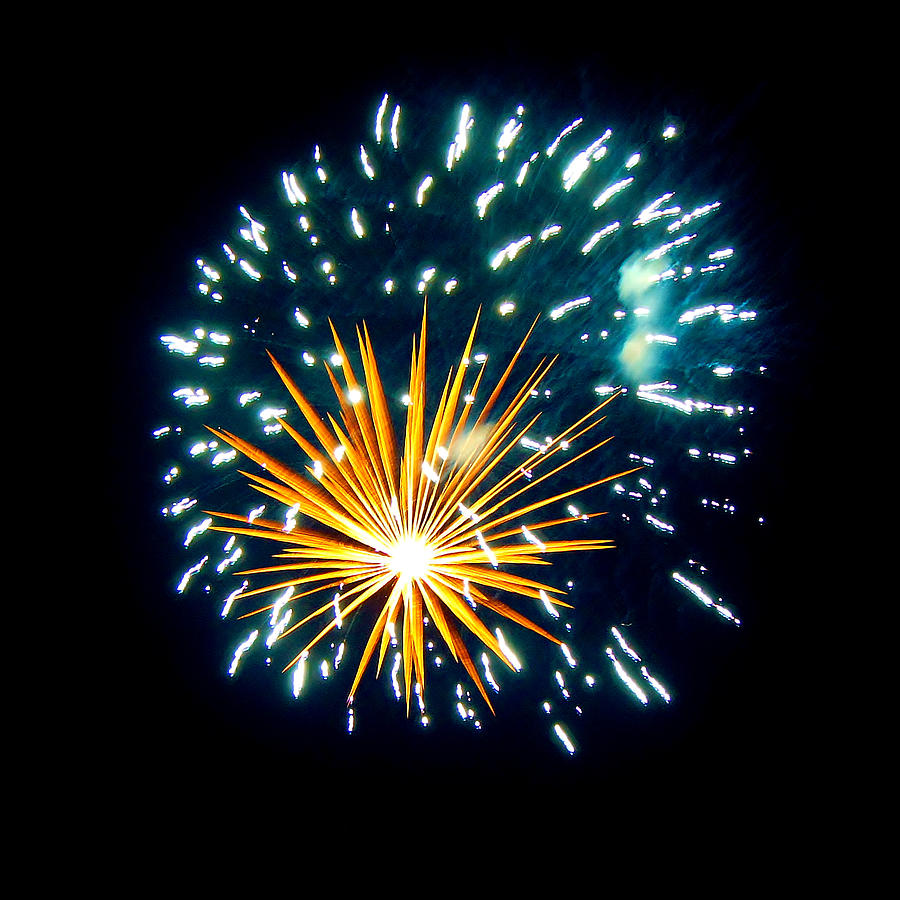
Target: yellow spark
(394, 534)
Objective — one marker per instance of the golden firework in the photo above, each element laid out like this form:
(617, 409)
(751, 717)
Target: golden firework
(425, 534)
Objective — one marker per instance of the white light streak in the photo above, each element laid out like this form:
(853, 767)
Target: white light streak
(545, 600)
(193, 570)
(622, 643)
(254, 234)
(523, 169)
(379, 119)
(554, 146)
(278, 628)
(656, 685)
(395, 681)
(580, 164)
(533, 540)
(626, 679)
(704, 598)
(467, 513)
(422, 189)
(197, 530)
(510, 131)
(561, 681)
(486, 197)
(697, 213)
(229, 600)
(460, 142)
(358, 228)
(550, 231)
(248, 269)
(248, 397)
(293, 190)
(192, 396)
(564, 738)
(492, 558)
(175, 344)
(508, 651)
(299, 676)
(181, 506)
(279, 605)
(653, 212)
(683, 406)
(663, 249)
(488, 674)
(229, 560)
(598, 236)
(241, 649)
(659, 525)
(604, 196)
(559, 311)
(509, 252)
(366, 164)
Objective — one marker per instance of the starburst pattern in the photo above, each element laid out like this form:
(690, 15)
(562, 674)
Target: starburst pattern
(621, 236)
(424, 531)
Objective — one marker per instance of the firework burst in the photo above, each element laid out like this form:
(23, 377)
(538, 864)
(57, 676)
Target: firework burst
(623, 242)
(422, 532)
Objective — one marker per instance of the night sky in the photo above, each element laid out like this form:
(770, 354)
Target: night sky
(161, 727)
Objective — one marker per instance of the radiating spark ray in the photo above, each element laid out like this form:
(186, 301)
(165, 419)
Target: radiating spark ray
(408, 517)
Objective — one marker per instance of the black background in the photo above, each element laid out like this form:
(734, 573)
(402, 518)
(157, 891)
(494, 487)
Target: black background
(156, 739)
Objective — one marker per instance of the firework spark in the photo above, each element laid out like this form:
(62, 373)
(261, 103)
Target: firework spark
(419, 530)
